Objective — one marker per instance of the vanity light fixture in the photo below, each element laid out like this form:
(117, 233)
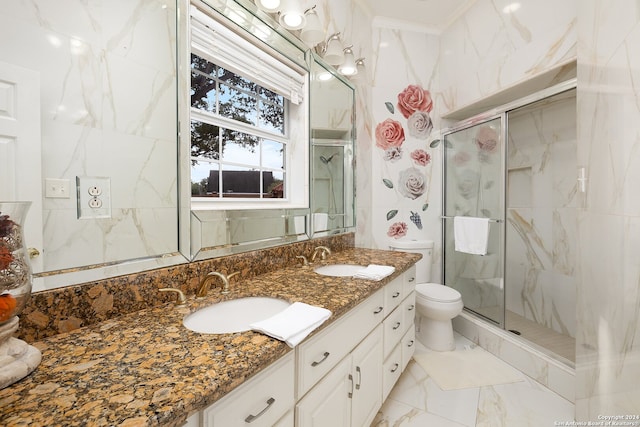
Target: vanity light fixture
(270, 6)
(362, 72)
(348, 66)
(291, 15)
(334, 52)
(312, 33)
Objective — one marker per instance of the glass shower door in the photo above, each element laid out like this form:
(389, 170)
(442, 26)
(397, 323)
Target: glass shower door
(474, 187)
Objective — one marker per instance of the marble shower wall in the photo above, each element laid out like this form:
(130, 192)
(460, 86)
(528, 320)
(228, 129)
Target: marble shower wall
(486, 50)
(107, 71)
(542, 203)
(608, 309)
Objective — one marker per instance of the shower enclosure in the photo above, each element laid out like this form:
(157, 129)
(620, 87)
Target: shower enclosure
(517, 165)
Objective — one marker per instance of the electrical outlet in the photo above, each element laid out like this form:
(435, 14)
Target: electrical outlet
(94, 197)
(56, 188)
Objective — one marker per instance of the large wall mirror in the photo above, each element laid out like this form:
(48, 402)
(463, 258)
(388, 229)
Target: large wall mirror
(332, 119)
(108, 75)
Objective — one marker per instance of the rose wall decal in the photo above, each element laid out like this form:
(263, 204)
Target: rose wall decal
(414, 103)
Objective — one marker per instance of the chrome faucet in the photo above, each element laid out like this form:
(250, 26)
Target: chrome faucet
(324, 252)
(206, 282)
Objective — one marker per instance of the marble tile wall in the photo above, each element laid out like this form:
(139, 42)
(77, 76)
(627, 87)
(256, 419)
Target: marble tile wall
(608, 308)
(406, 167)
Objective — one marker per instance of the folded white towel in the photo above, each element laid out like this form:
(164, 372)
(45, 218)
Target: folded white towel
(471, 235)
(293, 323)
(375, 272)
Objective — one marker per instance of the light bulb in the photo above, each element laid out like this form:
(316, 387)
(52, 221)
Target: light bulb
(291, 15)
(312, 33)
(270, 6)
(334, 54)
(348, 67)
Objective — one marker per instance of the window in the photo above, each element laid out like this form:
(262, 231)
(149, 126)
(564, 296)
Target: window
(248, 132)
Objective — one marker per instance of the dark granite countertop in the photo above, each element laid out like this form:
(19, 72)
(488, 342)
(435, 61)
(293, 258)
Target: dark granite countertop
(146, 368)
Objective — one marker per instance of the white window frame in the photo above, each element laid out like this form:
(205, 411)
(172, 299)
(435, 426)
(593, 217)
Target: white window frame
(269, 69)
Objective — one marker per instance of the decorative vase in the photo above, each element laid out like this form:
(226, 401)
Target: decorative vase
(17, 358)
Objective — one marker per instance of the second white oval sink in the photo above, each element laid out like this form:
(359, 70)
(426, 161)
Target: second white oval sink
(234, 315)
(339, 270)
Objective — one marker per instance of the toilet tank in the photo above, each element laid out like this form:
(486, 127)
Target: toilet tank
(424, 247)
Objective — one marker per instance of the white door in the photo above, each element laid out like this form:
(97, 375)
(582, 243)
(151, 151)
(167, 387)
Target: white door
(20, 160)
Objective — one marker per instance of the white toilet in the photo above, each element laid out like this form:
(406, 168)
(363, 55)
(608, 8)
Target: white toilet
(436, 304)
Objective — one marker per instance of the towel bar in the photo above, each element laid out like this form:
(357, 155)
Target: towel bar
(490, 219)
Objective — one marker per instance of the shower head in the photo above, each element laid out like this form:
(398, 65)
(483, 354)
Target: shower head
(325, 160)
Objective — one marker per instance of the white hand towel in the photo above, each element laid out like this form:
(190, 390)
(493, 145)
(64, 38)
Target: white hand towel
(471, 235)
(375, 272)
(293, 323)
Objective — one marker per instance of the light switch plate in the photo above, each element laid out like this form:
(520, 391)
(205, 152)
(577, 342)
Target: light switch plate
(94, 197)
(56, 188)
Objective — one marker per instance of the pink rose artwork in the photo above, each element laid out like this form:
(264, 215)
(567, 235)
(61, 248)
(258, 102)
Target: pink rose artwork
(487, 139)
(397, 230)
(461, 158)
(414, 98)
(389, 134)
(421, 157)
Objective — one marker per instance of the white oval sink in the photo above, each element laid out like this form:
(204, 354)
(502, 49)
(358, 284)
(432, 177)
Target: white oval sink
(234, 315)
(339, 270)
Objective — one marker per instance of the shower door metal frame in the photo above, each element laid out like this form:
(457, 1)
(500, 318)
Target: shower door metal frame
(502, 112)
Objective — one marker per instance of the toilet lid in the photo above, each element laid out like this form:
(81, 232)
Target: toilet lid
(437, 292)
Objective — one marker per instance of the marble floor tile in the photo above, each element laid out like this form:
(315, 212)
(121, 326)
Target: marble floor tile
(417, 401)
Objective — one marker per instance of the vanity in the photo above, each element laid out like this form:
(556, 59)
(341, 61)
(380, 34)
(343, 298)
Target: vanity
(146, 368)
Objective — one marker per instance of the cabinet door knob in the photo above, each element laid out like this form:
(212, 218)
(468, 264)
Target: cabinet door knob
(350, 394)
(359, 372)
(377, 310)
(252, 418)
(324, 357)
(410, 344)
(396, 326)
(411, 279)
(395, 367)
(395, 294)
(411, 307)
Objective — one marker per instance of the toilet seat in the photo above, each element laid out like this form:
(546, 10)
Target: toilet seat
(436, 292)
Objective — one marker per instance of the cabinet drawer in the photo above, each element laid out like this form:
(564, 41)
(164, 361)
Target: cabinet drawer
(261, 401)
(394, 328)
(409, 280)
(409, 311)
(322, 352)
(408, 344)
(393, 294)
(391, 370)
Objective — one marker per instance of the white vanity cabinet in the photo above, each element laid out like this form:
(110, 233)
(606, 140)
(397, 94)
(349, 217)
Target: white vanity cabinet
(350, 394)
(261, 401)
(318, 355)
(338, 377)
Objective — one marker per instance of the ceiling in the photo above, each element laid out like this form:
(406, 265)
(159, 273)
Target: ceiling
(431, 15)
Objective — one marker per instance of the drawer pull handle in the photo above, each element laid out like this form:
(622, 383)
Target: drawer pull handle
(411, 279)
(397, 325)
(350, 394)
(410, 344)
(378, 310)
(324, 357)
(395, 367)
(359, 372)
(411, 307)
(396, 294)
(252, 418)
